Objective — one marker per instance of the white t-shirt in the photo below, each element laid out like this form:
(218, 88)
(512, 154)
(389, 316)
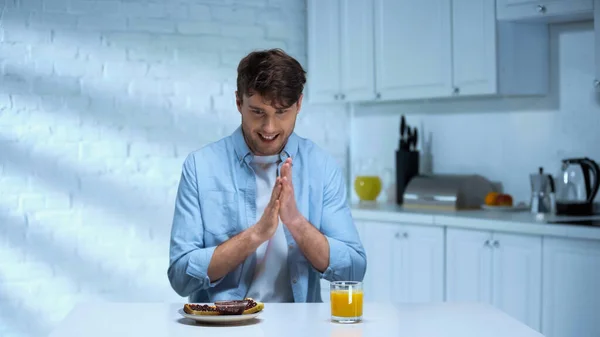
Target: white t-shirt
(271, 281)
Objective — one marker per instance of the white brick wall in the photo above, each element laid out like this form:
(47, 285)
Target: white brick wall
(100, 101)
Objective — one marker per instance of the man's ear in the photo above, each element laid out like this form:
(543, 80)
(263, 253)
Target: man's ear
(300, 102)
(238, 101)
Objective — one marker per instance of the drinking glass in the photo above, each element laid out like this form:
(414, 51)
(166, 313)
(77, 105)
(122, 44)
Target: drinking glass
(346, 301)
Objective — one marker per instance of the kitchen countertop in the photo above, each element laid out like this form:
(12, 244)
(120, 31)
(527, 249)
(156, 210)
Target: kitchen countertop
(522, 222)
(295, 319)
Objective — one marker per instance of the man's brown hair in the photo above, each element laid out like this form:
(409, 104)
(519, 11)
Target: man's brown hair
(273, 74)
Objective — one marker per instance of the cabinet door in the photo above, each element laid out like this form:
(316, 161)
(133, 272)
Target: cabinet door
(419, 264)
(468, 265)
(544, 10)
(405, 263)
(413, 59)
(571, 273)
(474, 47)
(323, 78)
(357, 58)
(517, 277)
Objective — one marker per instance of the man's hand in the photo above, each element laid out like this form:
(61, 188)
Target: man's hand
(290, 216)
(267, 225)
(232, 252)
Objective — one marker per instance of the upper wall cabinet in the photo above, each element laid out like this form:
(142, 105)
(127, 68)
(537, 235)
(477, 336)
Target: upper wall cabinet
(391, 50)
(340, 51)
(413, 48)
(544, 10)
(440, 48)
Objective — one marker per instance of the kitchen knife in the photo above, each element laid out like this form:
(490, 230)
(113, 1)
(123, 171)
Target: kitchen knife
(415, 139)
(403, 145)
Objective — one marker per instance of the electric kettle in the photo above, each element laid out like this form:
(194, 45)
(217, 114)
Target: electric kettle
(576, 186)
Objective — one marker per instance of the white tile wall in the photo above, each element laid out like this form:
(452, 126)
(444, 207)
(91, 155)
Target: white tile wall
(100, 101)
(504, 139)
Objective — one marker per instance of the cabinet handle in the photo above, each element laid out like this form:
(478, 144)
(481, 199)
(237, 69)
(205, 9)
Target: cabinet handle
(456, 90)
(336, 96)
(541, 9)
(486, 243)
(597, 83)
(397, 236)
(342, 96)
(378, 95)
(405, 235)
(496, 243)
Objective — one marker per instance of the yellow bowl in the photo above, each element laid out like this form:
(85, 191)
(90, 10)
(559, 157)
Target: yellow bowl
(367, 187)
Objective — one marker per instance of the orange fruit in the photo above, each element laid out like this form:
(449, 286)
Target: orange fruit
(491, 198)
(504, 200)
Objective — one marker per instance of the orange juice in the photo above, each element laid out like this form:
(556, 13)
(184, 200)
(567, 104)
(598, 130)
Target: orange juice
(345, 305)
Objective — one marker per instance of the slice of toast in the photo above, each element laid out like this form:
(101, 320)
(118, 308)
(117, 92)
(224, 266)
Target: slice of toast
(211, 310)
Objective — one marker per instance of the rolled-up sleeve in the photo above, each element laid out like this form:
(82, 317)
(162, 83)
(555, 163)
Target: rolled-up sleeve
(347, 256)
(188, 256)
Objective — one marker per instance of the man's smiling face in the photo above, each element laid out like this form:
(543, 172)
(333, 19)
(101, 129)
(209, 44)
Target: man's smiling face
(266, 128)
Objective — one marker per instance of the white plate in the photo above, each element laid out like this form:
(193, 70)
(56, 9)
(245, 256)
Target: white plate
(504, 208)
(219, 318)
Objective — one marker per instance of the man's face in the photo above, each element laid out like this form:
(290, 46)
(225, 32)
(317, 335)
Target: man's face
(266, 129)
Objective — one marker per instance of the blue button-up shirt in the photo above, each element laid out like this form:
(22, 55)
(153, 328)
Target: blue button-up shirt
(216, 200)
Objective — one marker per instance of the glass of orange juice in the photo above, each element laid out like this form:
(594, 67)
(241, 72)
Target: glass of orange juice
(346, 301)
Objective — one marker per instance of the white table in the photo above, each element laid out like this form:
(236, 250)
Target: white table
(290, 320)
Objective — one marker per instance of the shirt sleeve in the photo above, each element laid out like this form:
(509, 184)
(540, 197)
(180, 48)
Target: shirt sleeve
(347, 257)
(188, 256)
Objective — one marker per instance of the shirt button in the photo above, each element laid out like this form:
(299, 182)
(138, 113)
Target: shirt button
(291, 246)
(294, 281)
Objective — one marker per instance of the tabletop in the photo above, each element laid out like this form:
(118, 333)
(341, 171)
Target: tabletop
(294, 319)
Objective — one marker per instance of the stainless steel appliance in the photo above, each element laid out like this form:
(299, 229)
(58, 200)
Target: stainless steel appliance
(542, 192)
(447, 191)
(576, 186)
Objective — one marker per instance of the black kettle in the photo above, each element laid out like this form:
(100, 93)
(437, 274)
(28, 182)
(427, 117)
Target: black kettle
(576, 186)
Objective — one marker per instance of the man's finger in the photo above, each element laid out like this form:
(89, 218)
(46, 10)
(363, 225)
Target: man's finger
(289, 169)
(276, 191)
(275, 209)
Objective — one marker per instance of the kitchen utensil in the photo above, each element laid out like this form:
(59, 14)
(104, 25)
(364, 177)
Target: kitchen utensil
(542, 192)
(576, 189)
(403, 143)
(415, 139)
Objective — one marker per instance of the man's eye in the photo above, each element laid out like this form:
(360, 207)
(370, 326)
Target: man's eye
(258, 112)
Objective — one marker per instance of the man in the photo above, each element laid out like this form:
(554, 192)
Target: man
(262, 213)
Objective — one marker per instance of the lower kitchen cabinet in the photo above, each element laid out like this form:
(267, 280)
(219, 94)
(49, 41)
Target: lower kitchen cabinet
(405, 263)
(504, 270)
(549, 283)
(571, 288)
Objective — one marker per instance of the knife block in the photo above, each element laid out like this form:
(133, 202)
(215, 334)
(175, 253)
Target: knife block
(407, 166)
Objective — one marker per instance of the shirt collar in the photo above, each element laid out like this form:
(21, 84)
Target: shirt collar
(243, 153)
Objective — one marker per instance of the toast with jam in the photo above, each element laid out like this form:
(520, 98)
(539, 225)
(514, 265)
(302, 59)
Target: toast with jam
(236, 307)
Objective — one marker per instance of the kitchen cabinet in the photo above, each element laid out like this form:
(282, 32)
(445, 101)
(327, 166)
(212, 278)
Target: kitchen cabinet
(501, 269)
(548, 11)
(490, 58)
(340, 51)
(571, 277)
(393, 50)
(413, 49)
(405, 263)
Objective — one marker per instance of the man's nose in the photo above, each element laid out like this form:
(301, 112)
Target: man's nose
(269, 125)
